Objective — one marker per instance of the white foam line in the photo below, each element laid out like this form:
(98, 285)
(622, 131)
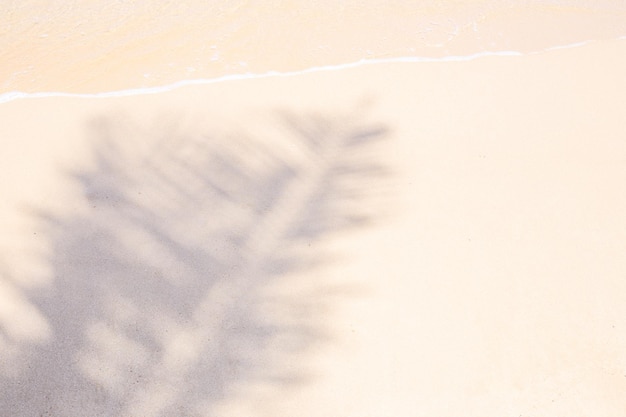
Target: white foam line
(14, 95)
(5, 97)
(571, 45)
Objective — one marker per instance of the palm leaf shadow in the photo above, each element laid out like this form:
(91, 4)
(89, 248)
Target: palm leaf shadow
(160, 305)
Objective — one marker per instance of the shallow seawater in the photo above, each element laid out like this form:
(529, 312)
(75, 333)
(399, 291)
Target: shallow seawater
(90, 47)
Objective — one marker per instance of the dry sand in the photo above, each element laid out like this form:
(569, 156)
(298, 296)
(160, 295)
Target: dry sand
(409, 239)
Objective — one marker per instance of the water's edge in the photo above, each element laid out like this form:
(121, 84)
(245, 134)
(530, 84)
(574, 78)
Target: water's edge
(15, 95)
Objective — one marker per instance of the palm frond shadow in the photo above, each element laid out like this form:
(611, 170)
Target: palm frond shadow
(161, 303)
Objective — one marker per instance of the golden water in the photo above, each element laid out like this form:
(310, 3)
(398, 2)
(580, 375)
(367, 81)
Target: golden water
(95, 46)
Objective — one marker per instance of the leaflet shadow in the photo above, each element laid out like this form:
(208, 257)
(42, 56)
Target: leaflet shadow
(164, 300)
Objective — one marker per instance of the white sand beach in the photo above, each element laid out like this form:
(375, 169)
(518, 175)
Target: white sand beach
(392, 239)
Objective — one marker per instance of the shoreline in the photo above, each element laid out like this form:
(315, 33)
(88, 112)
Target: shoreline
(70, 46)
(17, 95)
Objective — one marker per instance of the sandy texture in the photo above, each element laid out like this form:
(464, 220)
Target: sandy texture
(95, 46)
(393, 240)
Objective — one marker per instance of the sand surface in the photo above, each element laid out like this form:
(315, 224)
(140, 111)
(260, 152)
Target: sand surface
(401, 239)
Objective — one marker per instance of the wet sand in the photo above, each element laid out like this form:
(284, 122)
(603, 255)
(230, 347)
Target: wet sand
(389, 240)
(90, 47)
